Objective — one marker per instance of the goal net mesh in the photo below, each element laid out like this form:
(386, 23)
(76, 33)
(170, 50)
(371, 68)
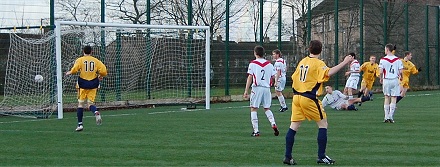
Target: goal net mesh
(146, 67)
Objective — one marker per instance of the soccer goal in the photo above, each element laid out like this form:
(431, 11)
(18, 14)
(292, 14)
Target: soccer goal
(147, 65)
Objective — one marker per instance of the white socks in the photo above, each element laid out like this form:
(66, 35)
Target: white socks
(386, 109)
(392, 109)
(254, 121)
(282, 101)
(270, 117)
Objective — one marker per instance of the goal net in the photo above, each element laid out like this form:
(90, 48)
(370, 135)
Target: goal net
(147, 65)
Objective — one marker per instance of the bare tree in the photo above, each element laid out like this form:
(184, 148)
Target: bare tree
(133, 11)
(211, 13)
(79, 10)
(299, 9)
(253, 11)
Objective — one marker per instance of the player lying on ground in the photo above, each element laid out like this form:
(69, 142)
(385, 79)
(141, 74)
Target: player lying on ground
(339, 101)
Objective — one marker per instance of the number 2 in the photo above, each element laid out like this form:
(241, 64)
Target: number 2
(262, 77)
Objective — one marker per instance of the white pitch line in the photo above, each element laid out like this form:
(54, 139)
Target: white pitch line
(190, 110)
(35, 120)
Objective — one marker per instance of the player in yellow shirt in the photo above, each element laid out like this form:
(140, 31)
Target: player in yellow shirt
(308, 78)
(370, 73)
(91, 72)
(408, 69)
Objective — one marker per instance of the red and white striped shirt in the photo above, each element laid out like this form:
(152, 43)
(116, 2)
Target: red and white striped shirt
(390, 66)
(354, 67)
(280, 65)
(262, 71)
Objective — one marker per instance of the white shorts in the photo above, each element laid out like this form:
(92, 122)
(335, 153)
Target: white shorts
(339, 105)
(391, 87)
(281, 84)
(260, 95)
(352, 82)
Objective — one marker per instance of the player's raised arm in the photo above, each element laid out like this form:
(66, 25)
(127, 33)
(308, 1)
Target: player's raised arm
(338, 67)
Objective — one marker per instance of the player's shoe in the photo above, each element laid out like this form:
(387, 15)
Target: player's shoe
(289, 161)
(79, 128)
(371, 96)
(275, 129)
(283, 109)
(386, 120)
(360, 104)
(98, 118)
(391, 120)
(326, 160)
(255, 134)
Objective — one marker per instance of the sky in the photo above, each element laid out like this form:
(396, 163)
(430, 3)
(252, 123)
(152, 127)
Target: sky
(22, 13)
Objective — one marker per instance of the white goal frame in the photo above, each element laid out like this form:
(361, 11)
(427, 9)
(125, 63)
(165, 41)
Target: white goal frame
(59, 71)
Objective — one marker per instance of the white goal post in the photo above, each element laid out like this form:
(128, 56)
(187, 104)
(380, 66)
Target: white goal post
(58, 43)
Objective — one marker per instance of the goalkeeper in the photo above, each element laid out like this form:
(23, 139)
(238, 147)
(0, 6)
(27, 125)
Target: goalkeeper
(91, 72)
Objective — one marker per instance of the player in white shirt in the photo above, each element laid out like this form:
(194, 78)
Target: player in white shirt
(353, 79)
(390, 72)
(280, 77)
(261, 73)
(339, 101)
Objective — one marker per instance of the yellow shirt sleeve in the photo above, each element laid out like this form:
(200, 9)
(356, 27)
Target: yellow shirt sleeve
(323, 72)
(102, 70)
(76, 67)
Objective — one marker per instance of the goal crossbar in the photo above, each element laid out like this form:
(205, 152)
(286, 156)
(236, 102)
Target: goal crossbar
(58, 52)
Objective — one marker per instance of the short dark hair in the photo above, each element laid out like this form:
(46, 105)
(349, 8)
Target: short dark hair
(259, 50)
(277, 51)
(390, 47)
(87, 49)
(407, 53)
(352, 54)
(315, 47)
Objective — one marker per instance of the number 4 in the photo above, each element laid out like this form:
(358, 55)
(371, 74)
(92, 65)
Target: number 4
(391, 70)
